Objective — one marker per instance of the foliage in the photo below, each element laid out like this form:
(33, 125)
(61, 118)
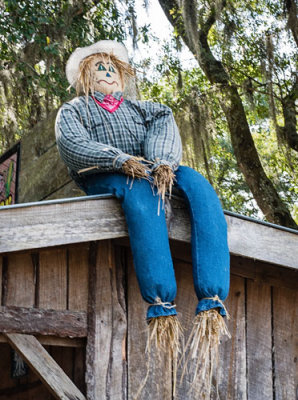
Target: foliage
(257, 50)
(254, 40)
(37, 38)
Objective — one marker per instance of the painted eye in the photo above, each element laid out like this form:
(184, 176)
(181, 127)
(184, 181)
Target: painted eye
(101, 68)
(111, 69)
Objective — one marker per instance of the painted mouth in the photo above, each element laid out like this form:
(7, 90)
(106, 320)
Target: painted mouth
(109, 83)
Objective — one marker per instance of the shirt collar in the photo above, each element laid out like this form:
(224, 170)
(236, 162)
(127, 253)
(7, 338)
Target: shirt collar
(100, 96)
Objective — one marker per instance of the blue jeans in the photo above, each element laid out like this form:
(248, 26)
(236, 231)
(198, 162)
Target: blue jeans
(150, 244)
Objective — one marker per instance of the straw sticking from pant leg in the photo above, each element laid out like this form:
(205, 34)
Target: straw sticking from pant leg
(164, 335)
(200, 357)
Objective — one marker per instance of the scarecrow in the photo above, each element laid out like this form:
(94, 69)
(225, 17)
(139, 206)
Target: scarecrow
(133, 149)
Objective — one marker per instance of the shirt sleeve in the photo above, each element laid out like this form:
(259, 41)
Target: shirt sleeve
(78, 150)
(162, 143)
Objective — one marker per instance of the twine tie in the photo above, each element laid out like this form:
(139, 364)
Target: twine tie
(216, 298)
(165, 304)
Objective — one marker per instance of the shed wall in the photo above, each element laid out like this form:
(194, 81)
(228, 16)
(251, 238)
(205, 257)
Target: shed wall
(258, 363)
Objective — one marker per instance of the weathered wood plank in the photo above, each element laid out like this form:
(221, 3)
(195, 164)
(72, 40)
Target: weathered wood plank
(1, 269)
(45, 367)
(52, 291)
(159, 383)
(244, 267)
(78, 277)
(89, 219)
(186, 302)
(232, 352)
(64, 223)
(259, 342)
(20, 281)
(107, 326)
(285, 305)
(54, 341)
(43, 322)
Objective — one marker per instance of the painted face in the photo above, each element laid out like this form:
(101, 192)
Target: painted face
(105, 76)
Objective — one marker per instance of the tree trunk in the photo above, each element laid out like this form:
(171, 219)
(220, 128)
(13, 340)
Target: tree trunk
(289, 111)
(246, 154)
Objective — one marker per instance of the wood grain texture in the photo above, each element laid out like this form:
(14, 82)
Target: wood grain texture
(285, 305)
(186, 302)
(52, 291)
(259, 342)
(88, 219)
(232, 352)
(1, 269)
(45, 367)
(20, 281)
(78, 277)
(54, 341)
(107, 328)
(159, 383)
(43, 322)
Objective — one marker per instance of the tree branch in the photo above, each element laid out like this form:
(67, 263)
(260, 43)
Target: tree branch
(245, 151)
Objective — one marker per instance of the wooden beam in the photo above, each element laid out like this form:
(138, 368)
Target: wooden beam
(45, 367)
(44, 322)
(54, 341)
(107, 327)
(90, 219)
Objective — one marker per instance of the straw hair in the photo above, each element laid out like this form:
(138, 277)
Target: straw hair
(84, 82)
(200, 357)
(164, 335)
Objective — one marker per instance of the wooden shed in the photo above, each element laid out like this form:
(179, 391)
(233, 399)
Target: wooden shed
(71, 307)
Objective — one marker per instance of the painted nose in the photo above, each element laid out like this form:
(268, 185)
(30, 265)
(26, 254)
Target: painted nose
(109, 75)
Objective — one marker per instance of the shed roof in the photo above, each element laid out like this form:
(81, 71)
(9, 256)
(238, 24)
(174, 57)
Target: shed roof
(88, 218)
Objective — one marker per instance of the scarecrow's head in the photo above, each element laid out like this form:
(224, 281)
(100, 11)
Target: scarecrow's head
(101, 67)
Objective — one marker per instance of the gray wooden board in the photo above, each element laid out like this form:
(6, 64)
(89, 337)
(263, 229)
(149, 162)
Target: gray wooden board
(54, 341)
(232, 354)
(46, 322)
(285, 304)
(259, 342)
(66, 222)
(1, 263)
(159, 382)
(107, 327)
(20, 280)
(186, 302)
(52, 291)
(45, 367)
(78, 277)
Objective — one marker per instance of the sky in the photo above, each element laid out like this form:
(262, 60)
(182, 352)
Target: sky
(161, 29)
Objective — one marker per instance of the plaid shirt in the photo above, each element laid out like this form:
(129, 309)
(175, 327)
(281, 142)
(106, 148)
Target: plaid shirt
(88, 135)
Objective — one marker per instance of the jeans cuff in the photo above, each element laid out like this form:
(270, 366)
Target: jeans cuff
(208, 304)
(159, 311)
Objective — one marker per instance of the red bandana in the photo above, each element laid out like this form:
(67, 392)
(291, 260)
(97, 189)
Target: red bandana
(109, 103)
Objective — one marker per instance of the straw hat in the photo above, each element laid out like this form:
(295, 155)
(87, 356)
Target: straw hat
(103, 46)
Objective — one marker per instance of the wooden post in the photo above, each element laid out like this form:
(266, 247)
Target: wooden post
(107, 327)
(159, 382)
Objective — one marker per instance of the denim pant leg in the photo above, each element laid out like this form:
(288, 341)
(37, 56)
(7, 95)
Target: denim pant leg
(148, 236)
(210, 253)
